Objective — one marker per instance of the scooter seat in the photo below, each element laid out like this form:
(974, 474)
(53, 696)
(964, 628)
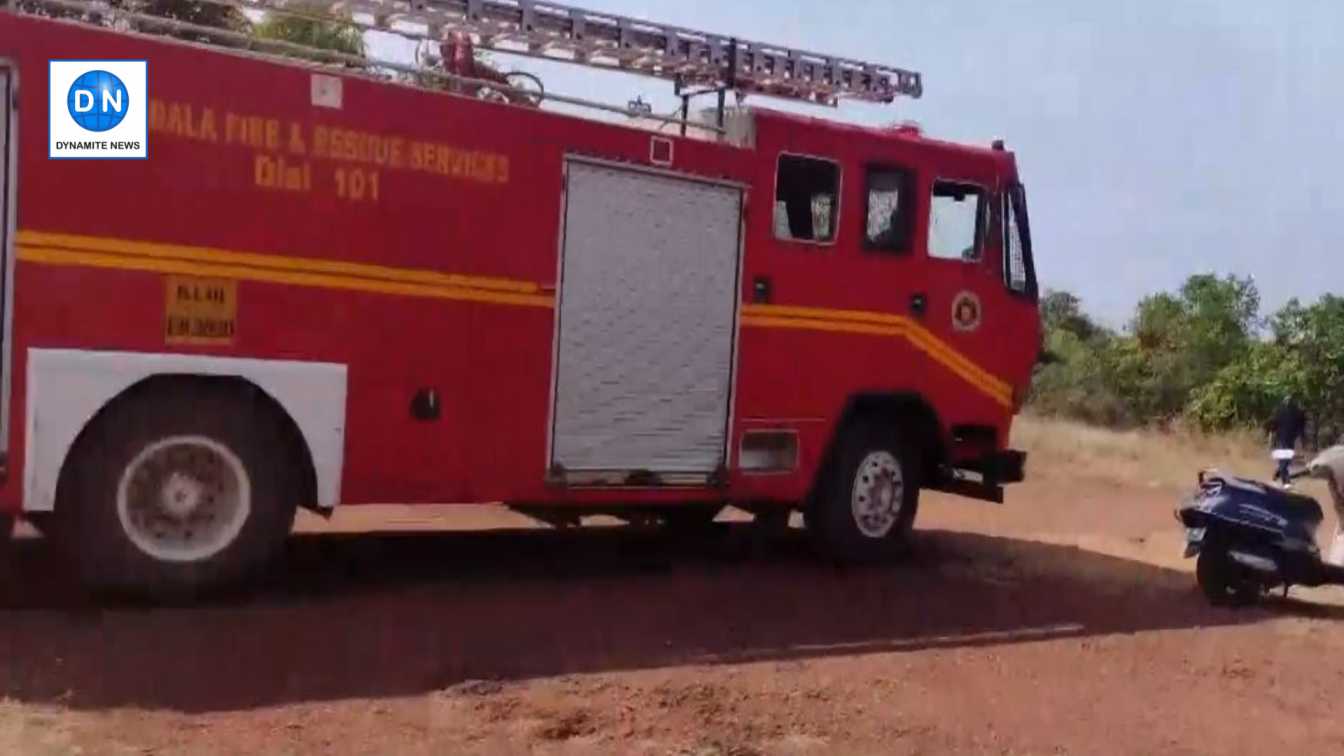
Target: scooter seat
(1298, 505)
(1287, 504)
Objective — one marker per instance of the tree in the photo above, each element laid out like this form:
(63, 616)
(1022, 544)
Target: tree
(200, 13)
(1158, 321)
(1196, 353)
(1181, 341)
(1074, 382)
(213, 15)
(1305, 358)
(1314, 336)
(1071, 379)
(1222, 317)
(1062, 311)
(1201, 354)
(1245, 393)
(309, 30)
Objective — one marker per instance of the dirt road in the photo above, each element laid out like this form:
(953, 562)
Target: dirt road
(1060, 623)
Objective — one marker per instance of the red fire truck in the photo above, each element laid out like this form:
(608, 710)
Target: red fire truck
(336, 282)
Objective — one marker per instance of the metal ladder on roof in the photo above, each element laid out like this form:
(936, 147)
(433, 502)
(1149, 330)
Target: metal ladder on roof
(691, 58)
(699, 63)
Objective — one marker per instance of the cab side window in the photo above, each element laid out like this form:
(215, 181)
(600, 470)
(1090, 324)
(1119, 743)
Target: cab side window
(958, 216)
(890, 211)
(807, 199)
(1019, 271)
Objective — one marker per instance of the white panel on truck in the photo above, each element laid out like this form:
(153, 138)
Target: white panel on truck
(647, 322)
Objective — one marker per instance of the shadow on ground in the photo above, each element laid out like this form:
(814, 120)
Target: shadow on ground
(389, 615)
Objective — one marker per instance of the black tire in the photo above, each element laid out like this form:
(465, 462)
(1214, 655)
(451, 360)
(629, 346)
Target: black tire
(6, 529)
(1221, 580)
(40, 522)
(833, 517)
(91, 523)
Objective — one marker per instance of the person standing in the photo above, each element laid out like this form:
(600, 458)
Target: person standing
(1288, 426)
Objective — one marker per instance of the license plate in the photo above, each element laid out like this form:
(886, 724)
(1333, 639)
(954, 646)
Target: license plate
(200, 310)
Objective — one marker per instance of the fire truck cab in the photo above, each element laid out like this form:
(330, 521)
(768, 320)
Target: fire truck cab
(326, 288)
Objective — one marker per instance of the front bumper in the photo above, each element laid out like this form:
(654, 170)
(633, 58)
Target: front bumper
(983, 478)
(1007, 466)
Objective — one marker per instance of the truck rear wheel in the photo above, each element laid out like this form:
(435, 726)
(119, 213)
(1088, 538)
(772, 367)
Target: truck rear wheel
(865, 505)
(176, 492)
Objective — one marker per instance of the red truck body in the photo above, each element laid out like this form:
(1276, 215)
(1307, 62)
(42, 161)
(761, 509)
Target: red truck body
(418, 239)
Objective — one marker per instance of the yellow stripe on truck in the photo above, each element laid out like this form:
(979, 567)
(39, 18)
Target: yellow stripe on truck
(880, 324)
(214, 255)
(50, 248)
(201, 261)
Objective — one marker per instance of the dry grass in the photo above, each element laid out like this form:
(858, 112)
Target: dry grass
(1064, 448)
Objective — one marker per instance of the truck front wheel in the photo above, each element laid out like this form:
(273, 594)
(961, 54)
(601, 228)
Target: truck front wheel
(176, 492)
(865, 504)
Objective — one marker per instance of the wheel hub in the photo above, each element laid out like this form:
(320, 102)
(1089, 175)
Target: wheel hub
(181, 495)
(184, 498)
(878, 493)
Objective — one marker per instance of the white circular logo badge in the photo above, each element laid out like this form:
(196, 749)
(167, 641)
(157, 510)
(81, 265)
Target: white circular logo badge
(966, 312)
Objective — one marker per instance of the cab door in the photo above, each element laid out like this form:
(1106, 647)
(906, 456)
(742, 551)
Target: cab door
(965, 296)
(983, 301)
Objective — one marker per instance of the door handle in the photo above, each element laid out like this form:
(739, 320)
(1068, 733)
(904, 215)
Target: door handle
(761, 290)
(919, 304)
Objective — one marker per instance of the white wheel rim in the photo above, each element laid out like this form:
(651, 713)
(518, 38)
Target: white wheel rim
(878, 494)
(184, 498)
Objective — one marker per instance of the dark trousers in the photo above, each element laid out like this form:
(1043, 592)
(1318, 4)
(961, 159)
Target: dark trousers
(1281, 474)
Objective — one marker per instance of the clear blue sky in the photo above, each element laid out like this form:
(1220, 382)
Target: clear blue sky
(1157, 139)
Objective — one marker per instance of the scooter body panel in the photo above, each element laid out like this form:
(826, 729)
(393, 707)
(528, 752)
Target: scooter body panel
(1265, 530)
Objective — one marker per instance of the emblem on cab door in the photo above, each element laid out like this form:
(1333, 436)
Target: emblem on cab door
(966, 312)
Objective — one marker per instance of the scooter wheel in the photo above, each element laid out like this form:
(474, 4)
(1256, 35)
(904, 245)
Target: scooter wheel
(1221, 580)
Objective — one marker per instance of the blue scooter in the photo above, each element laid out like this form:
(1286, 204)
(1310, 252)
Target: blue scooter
(1251, 537)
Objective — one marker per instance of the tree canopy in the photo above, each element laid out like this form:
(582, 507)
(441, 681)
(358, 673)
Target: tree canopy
(1203, 354)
